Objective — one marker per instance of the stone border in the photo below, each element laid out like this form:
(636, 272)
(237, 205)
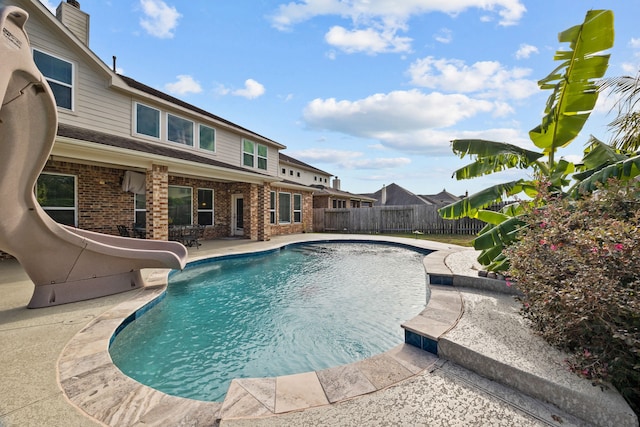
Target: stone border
(94, 384)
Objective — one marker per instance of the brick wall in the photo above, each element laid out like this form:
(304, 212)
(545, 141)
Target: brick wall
(101, 202)
(306, 226)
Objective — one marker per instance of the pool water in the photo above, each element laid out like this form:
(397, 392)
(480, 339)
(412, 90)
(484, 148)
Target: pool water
(303, 308)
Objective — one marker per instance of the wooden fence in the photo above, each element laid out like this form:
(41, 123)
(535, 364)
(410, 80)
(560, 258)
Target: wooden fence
(392, 219)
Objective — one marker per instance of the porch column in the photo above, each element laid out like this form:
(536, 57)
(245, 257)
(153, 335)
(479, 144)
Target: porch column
(158, 202)
(253, 214)
(264, 225)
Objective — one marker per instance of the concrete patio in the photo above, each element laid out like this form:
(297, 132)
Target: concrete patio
(491, 369)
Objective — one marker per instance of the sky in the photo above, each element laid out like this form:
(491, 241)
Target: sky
(370, 91)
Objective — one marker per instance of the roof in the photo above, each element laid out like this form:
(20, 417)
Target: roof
(151, 91)
(442, 198)
(321, 189)
(288, 159)
(397, 196)
(83, 134)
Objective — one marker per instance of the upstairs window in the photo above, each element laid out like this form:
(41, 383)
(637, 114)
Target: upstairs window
(179, 130)
(262, 157)
(207, 140)
(147, 121)
(59, 75)
(248, 152)
(254, 155)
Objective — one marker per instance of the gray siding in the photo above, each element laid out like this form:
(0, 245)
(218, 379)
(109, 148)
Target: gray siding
(99, 107)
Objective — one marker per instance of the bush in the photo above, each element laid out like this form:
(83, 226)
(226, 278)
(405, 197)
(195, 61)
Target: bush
(578, 265)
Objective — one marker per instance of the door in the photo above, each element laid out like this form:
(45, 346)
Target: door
(237, 215)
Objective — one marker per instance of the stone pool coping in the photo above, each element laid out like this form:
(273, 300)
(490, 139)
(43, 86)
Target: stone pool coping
(91, 381)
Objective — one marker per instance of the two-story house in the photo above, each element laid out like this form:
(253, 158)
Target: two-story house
(126, 153)
(326, 191)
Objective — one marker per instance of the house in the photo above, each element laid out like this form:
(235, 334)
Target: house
(443, 198)
(126, 153)
(395, 195)
(324, 196)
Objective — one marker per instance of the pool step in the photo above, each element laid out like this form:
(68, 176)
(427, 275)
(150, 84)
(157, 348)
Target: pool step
(441, 314)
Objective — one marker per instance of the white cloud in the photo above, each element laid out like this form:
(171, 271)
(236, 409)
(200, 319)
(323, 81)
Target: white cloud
(525, 51)
(252, 89)
(369, 40)
(380, 113)
(160, 20)
(349, 159)
(630, 68)
(411, 122)
(185, 84)
(634, 43)
(489, 79)
(444, 36)
(391, 14)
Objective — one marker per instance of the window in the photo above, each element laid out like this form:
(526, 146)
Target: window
(57, 196)
(140, 210)
(205, 206)
(262, 157)
(291, 172)
(284, 208)
(179, 130)
(297, 208)
(147, 121)
(284, 171)
(298, 174)
(272, 208)
(59, 75)
(180, 205)
(207, 139)
(247, 152)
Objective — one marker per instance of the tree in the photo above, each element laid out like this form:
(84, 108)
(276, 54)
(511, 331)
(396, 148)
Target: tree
(574, 94)
(626, 125)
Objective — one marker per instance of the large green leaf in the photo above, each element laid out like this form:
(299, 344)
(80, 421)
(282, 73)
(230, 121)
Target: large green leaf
(625, 169)
(491, 157)
(470, 205)
(499, 235)
(574, 81)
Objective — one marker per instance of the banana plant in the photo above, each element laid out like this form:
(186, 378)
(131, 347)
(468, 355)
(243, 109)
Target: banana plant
(601, 162)
(574, 93)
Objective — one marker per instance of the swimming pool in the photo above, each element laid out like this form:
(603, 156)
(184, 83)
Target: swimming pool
(302, 308)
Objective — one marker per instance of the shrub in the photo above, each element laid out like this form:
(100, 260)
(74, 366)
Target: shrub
(578, 266)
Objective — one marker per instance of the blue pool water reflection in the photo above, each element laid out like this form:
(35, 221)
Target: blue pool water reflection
(303, 308)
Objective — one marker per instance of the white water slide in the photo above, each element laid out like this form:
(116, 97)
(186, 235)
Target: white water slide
(65, 264)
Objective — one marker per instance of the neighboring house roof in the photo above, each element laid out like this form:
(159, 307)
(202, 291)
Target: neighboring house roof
(151, 91)
(442, 198)
(395, 195)
(288, 159)
(321, 189)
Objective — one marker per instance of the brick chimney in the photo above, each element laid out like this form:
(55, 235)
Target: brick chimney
(74, 19)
